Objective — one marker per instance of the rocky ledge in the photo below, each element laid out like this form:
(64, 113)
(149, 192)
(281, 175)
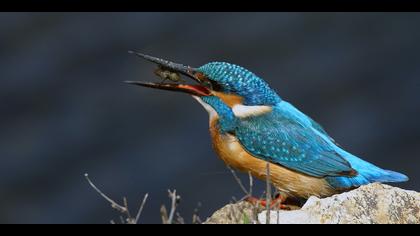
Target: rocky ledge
(370, 204)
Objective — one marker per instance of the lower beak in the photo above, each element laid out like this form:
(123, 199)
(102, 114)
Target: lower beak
(196, 90)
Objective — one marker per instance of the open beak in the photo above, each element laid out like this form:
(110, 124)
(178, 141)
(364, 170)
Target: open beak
(199, 89)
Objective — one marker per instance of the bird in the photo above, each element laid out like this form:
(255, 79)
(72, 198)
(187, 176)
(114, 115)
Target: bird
(252, 128)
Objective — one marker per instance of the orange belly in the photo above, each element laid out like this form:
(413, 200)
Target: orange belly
(285, 180)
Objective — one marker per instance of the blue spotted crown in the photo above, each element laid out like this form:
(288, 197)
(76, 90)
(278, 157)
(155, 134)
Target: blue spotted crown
(236, 79)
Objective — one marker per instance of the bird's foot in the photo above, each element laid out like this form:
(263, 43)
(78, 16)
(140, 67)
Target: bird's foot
(276, 203)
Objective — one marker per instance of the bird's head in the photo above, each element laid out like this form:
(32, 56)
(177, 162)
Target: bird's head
(221, 87)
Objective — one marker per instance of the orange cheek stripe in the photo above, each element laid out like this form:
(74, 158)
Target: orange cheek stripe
(230, 99)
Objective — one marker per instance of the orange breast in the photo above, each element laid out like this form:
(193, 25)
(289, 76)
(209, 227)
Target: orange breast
(287, 181)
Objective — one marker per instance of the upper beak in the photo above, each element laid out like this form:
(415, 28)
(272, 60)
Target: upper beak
(199, 90)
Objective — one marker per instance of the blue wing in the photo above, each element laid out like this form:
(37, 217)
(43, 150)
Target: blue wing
(287, 137)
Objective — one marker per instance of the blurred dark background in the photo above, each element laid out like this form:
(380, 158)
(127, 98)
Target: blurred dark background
(65, 111)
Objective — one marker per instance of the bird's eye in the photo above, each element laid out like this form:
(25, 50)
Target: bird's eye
(213, 85)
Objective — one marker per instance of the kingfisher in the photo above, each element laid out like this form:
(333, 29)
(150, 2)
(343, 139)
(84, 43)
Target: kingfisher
(252, 127)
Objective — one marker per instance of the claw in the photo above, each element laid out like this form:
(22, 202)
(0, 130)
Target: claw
(276, 203)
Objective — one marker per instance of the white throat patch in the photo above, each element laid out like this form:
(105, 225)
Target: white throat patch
(242, 111)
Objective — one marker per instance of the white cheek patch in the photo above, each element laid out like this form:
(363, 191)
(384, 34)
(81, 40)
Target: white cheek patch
(209, 109)
(242, 111)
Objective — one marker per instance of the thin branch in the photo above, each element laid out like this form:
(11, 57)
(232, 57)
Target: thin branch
(128, 219)
(174, 198)
(179, 219)
(268, 194)
(126, 207)
(141, 208)
(164, 214)
(195, 218)
(251, 183)
(248, 193)
(255, 210)
(238, 180)
(113, 203)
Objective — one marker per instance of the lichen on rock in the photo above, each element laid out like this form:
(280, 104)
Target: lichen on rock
(235, 213)
(370, 204)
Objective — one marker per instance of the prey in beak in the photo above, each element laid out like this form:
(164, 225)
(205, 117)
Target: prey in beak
(168, 70)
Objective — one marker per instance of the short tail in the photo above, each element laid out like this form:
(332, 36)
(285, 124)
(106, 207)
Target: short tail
(391, 177)
(367, 173)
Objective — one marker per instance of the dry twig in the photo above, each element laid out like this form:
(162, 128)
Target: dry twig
(268, 193)
(141, 208)
(113, 203)
(169, 219)
(195, 218)
(121, 208)
(164, 214)
(238, 180)
(248, 193)
(174, 199)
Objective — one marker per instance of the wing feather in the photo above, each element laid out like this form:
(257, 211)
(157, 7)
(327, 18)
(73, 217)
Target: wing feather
(285, 141)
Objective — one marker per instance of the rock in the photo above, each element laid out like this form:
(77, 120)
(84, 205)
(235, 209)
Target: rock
(370, 204)
(237, 213)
